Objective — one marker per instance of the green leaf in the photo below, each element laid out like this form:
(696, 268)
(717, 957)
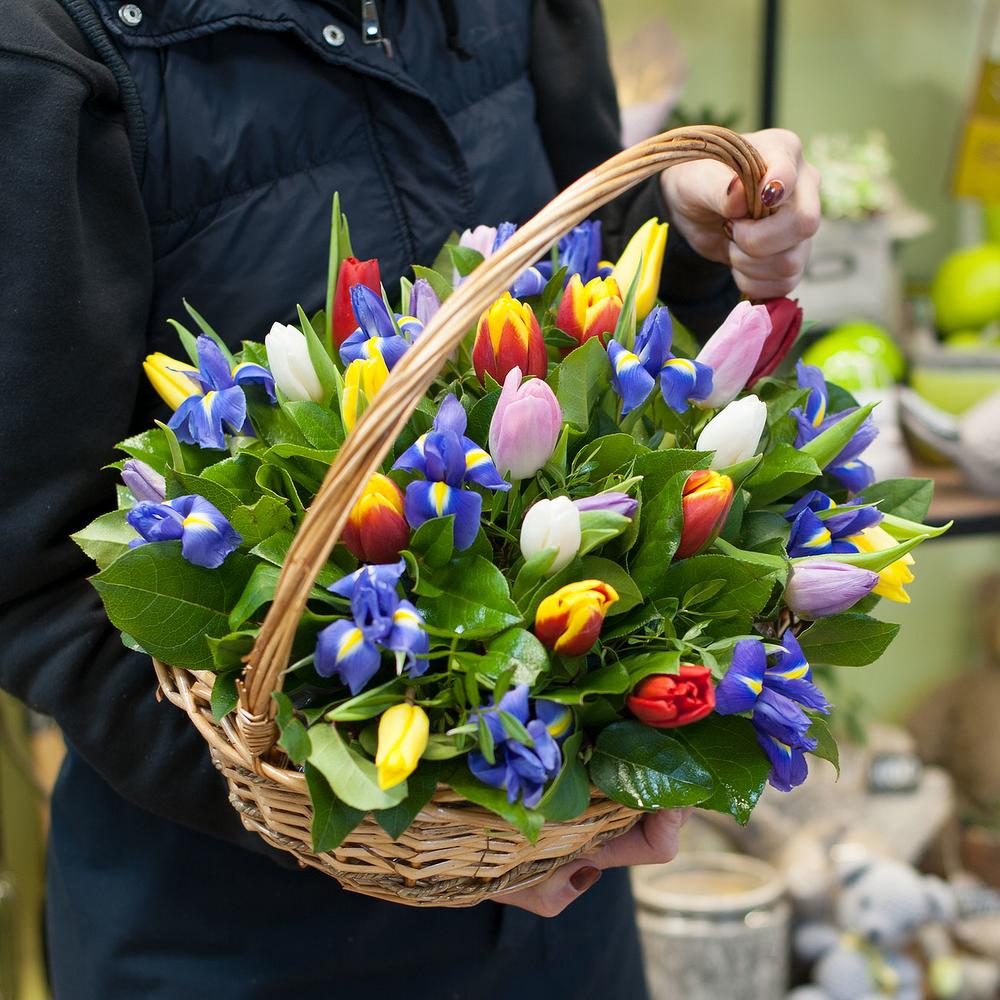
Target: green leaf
(598, 568)
(600, 526)
(440, 284)
(528, 821)
(184, 484)
(465, 259)
(569, 795)
(874, 561)
(209, 332)
(150, 447)
(522, 651)
(224, 697)
(368, 704)
(332, 819)
(229, 650)
(658, 468)
(274, 549)
(612, 679)
(747, 587)
(170, 605)
(825, 447)
(351, 776)
(319, 425)
(900, 528)
(826, 745)
(625, 327)
(659, 535)
(666, 661)
(644, 768)
(473, 599)
(608, 454)
(728, 749)
(294, 738)
(333, 268)
(422, 785)
(237, 475)
(906, 498)
(258, 592)
(480, 418)
(580, 380)
(783, 470)
(188, 340)
(265, 518)
(326, 370)
(434, 541)
(106, 537)
(848, 640)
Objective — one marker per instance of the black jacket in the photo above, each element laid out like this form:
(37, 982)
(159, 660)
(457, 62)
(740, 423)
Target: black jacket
(193, 152)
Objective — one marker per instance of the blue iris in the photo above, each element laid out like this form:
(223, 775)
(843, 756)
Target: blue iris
(812, 536)
(352, 648)
(203, 419)
(377, 334)
(579, 251)
(777, 695)
(813, 419)
(530, 281)
(634, 373)
(521, 770)
(446, 459)
(206, 536)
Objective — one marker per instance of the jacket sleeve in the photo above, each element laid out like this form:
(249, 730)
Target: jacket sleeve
(75, 286)
(577, 112)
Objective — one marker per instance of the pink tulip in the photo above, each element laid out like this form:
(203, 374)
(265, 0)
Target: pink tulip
(525, 426)
(732, 352)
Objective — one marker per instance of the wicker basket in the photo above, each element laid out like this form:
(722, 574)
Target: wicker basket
(455, 853)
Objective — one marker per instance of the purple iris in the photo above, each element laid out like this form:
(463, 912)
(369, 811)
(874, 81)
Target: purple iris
(634, 373)
(206, 536)
(203, 419)
(579, 251)
(523, 770)
(777, 695)
(813, 419)
(613, 501)
(811, 536)
(376, 334)
(446, 459)
(380, 619)
(143, 481)
(424, 302)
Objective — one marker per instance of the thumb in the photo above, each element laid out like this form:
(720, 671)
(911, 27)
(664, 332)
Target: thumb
(710, 186)
(551, 897)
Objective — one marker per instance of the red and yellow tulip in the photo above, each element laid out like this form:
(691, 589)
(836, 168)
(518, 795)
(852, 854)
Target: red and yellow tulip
(403, 733)
(591, 309)
(569, 621)
(509, 337)
(376, 530)
(706, 502)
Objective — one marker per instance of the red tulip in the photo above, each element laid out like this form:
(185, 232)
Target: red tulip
(707, 499)
(352, 272)
(376, 529)
(786, 321)
(589, 310)
(670, 700)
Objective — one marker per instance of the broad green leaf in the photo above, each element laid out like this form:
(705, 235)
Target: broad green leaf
(434, 541)
(294, 738)
(258, 592)
(658, 468)
(106, 537)
(848, 640)
(527, 821)
(274, 549)
(170, 605)
(319, 425)
(569, 795)
(600, 526)
(332, 819)
(237, 475)
(480, 418)
(265, 518)
(224, 697)
(645, 768)
(659, 536)
(906, 498)
(422, 785)
(612, 679)
(783, 470)
(665, 661)
(465, 259)
(351, 776)
(608, 454)
(228, 651)
(368, 704)
(184, 484)
(150, 447)
(473, 599)
(521, 650)
(747, 587)
(580, 380)
(598, 568)
(826, 745)
(440, 284)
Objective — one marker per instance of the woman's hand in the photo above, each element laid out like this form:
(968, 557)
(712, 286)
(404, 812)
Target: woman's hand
(652, 841)
(708, 205)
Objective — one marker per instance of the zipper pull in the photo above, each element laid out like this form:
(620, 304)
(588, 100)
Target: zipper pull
(371, 27)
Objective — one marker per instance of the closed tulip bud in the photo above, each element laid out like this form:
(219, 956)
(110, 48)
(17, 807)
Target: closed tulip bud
(288, 359)
(732, 353)
(786, 321)
(644, 250)
(143, 481)
(590, 310)
(734, 433)
(166, 375)
(403, 733)
(893, 578)
(706, 502)
(525, 426)
(352, 272)
(376, 530)
(552, 524)
(569, 621)
(670, 700)
(817, 588)
(509, 337)
(362, 381)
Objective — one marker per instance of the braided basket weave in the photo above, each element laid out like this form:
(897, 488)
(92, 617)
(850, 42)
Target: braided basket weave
(454, 853)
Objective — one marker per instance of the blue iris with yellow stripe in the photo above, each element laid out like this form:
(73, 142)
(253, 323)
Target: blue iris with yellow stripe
(377, 333)
(205, 534)
(813, 535)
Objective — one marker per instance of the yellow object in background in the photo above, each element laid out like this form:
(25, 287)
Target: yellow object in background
(977, 170)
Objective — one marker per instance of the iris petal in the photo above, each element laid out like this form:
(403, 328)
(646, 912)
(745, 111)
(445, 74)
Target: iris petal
(628, 377)
(739, 690)
(343, 650)
(425, 500)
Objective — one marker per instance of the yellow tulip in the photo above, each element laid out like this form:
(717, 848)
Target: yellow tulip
(403, 731)
(166, 376)
(892, 579)
(362, 380)
(644, 250)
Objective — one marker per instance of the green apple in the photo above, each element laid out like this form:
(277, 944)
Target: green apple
(966, 289)
(968, 340)
(857, 355)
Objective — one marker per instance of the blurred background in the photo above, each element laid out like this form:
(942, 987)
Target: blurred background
(898, 102)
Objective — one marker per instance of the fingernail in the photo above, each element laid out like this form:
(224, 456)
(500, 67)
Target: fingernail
(732, 184)
(772, 193)
(584, 878)
(727, 228)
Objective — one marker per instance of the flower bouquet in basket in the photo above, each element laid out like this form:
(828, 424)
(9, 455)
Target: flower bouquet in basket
(590, 574)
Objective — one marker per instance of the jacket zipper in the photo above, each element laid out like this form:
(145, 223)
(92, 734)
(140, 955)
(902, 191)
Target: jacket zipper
(371, 27)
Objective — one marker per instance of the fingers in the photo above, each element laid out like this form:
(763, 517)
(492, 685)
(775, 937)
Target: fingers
(553, 895)
(781, 150)
(796, 220)
(652, 841)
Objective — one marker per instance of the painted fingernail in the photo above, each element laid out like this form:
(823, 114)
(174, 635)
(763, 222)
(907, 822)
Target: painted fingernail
(727, 228)
(771, 195)
(584, 878)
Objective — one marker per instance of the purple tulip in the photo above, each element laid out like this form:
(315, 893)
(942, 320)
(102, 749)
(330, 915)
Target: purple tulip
(615, 502)
(732, 352)
(817, 587)
(525, 426)
(144, 482)
(424, 302)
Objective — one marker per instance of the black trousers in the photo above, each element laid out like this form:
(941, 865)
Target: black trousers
(142, 909)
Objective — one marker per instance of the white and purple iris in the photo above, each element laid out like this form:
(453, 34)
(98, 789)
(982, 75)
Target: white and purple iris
(377, 333)
(813, 419)
(380, 620)
(523, 771)
(447, 459)
(634, 373)
(813, 536)
(203, 418)
(206, 536)
(777, 695)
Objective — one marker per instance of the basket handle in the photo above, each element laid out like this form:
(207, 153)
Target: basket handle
(367, 445)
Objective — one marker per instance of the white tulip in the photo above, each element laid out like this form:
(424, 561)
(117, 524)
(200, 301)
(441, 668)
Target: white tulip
(288, 358)
(552, 524)
(734, 433)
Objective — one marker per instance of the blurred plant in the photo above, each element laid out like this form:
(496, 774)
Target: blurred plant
(856, 174)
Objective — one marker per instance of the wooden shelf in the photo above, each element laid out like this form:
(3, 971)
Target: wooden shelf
(973, 513)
